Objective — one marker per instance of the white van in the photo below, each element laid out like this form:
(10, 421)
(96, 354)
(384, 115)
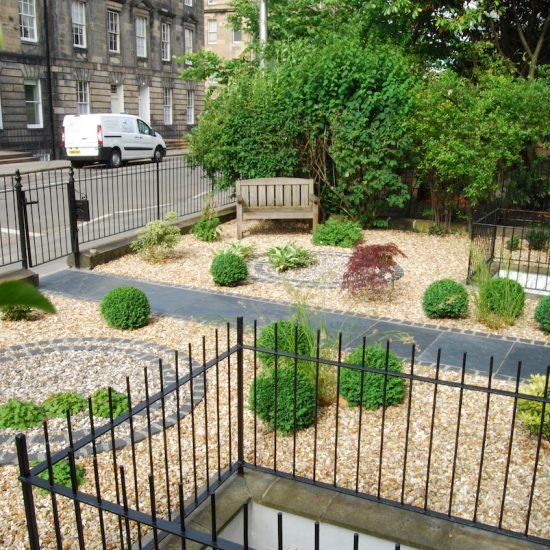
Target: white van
(109, 138)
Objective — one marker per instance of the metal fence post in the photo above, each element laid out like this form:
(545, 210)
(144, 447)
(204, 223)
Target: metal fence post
(72, 219)
(240, 394)
(23, 240)
(158, 187)
(24, 472)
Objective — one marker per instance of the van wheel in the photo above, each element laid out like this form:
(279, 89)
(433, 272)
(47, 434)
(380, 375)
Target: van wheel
(77, 163)
(115, 160)
(159, 154)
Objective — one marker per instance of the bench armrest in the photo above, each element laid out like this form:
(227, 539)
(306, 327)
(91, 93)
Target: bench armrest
(240, 199)
(314, 199)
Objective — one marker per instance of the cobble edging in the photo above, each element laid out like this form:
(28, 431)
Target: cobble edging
(127, 346)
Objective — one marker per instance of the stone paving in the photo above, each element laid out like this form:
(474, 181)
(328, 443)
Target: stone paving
(210, 306)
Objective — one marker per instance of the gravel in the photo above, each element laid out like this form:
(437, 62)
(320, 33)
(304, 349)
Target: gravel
(428, 258)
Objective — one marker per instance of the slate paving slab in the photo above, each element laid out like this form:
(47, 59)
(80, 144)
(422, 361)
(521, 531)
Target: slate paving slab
(210, 306)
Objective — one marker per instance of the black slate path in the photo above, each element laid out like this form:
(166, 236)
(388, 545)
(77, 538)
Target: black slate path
(201, 305)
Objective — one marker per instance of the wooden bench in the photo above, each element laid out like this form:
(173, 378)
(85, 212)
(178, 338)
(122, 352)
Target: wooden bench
(276, 199)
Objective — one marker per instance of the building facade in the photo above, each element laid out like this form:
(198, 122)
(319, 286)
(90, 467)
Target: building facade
(90, 56)
(219, 37)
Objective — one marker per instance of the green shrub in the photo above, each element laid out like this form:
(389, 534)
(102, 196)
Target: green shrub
(59, 404)
(530, 412)
(436, 229)
(537, 239)
(100, 403)
(542, 314)
(446, 299)
(262, 391)
(373, 384)
(20, 415)
(503, 298)
(156, 242)
(228, 269)
(380, 223)
(513, 243)
(16, 313)
(62, 474)
(244, 250)
(125, 307)
(288, 333)
(337, 232)
(289, 256)
(208, 227)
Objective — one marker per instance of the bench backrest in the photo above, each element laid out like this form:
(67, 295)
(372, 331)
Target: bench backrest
(275, 192)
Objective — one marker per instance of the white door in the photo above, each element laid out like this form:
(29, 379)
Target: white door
(144, 107)
(117, 98)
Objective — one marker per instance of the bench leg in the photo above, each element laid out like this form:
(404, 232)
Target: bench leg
(315, 219)
(239, 222)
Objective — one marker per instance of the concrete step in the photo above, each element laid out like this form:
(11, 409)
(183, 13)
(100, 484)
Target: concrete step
(9, 157)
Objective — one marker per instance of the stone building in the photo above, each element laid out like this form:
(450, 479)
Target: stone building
(89, 56)
(219, 37)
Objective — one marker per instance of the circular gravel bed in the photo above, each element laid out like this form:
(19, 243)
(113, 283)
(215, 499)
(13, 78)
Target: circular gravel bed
(327, 272)
(34, 372)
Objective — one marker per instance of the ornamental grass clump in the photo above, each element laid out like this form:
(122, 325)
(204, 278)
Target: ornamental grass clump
(157, 241)
(500, 302)
(445, 299)
(370, 267)
(513, 243)
(20, 415)
(542, 314)
(228, 269)
(530, 412)
(290, 256)
(337, 232)
(59, 404)
(125, 307)
(289, 408)
(369, 389)
(15, 313)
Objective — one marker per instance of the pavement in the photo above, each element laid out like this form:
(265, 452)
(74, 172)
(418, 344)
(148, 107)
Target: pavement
(217, 307)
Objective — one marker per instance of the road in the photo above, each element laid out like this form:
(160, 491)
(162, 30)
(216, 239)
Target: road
(119, 200)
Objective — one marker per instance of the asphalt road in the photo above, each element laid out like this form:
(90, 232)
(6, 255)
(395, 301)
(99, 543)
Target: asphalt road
(119, 200)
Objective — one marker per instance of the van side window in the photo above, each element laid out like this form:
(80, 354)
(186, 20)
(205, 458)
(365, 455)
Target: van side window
(144, 129)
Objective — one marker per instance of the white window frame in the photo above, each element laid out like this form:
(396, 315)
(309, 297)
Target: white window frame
(212, 31)
(82, 97)
(113, 30)
(240, 36)
(189, 39)
(78, 17)
(189, 3)
(37, 102)
(27, 21)
(167, 106)
(165, 31)
(190, 115)
(1, 115)
(141, 37)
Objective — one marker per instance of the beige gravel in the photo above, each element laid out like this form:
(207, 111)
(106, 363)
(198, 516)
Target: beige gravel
(428, 258)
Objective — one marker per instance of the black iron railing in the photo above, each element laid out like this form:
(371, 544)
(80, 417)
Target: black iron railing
(35, 208)
(515, 244)
(454, 449)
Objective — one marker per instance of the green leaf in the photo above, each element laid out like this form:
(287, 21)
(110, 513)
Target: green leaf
(18, 293)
